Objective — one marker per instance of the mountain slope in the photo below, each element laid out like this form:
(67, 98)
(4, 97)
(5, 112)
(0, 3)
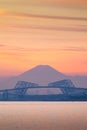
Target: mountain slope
(42, 74)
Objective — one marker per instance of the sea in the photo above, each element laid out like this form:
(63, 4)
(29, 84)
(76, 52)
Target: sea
(43, 115)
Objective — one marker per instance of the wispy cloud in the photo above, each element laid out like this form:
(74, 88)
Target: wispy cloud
(75, 49)
(21, 14)
(27, 50)
(13, 49)
(2, 45)
(46, 16)
(53, 2)
(55, 28)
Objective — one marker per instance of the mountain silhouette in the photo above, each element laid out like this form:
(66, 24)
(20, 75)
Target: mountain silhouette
(41, 74)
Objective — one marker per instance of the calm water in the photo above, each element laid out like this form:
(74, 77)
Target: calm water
(43, 116)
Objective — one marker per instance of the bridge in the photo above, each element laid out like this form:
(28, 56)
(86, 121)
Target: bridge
(66, 87)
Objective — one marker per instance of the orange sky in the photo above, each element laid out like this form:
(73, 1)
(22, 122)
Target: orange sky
(52, 32)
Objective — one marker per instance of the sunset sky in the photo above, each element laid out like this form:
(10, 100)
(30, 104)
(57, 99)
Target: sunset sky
(50, 32)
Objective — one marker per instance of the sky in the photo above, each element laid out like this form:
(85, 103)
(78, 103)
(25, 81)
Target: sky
(48, 32)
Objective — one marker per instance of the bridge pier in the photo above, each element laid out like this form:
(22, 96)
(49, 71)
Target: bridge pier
(5, 95)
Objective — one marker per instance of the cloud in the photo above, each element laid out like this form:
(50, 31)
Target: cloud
(54, 2)
(2, 45)
(26, 50)
(46, 16)
(26, 27)
(20, 14)
(55, 28)
(75, 49)
(13, 49)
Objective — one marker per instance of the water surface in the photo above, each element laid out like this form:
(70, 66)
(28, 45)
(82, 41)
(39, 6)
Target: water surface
(43, 116)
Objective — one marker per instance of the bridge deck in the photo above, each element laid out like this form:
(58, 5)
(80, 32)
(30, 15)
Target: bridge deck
(5, 93)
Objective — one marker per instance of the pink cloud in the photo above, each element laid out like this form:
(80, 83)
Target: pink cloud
(55, 28)
(46, 16)
(20, 14)
(76, 49)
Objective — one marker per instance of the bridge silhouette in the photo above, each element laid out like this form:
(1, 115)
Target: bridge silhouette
(20, 90)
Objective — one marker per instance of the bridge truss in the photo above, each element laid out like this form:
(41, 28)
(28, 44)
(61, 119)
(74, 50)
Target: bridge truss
(21, 88)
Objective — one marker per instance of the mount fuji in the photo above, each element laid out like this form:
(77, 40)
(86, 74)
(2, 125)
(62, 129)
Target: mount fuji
(42, 75)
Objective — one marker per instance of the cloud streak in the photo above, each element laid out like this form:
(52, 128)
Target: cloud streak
(75, 49)
(2, 45)
(26, 50)
(27, 15)
(73, 29)
(47, 17)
